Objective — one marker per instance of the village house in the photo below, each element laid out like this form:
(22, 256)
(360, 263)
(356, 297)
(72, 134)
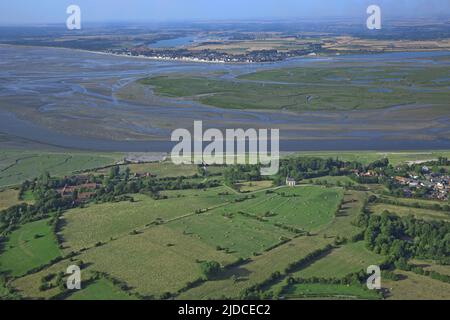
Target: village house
(290, 182)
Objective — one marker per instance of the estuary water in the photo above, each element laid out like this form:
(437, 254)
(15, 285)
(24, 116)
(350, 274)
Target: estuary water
(69, 98)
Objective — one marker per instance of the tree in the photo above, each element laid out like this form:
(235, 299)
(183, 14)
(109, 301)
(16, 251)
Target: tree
(210, 268)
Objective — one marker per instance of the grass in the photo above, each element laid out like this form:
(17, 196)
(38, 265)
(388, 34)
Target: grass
(333, 180)
(260, 268)
(100, 222)
(9, 198)
(28, 286)
(251, 186)
(156, 261)
(402, 211)
(29, 247)
(101, 289)
(340, 262)
(164, 169)
(235, 280)
(241, 236)
(366, 157)
(312, 88)
(317, 290)
(18, 166)
(416, 287)
(305, 207)
(432, 266)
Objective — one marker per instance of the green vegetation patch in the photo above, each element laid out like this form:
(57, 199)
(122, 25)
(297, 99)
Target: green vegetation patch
(84, 227)
(304, 207)
(340, 262)
(238, 235)
(9, 198)
(164, 169)
(18, 166)
(310, 88)
(101, 289)
(318, 290)
(29, 247)
(403, 211)
(416, 287)
(156, 261)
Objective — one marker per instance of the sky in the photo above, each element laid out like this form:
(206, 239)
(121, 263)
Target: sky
(54, 11)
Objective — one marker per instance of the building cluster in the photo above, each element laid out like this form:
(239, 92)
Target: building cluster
(213, 56)
(434, 185)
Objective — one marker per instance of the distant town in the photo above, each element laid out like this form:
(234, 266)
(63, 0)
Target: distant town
(213, 56)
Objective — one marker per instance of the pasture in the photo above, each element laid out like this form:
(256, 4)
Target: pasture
(340, 262)
(85, 227)
(403, 211)
(304, 207)
(101, 289)
(241, 236)
(251, 186)
(337, 291)
(29, 247)
(164, 169)
(416, 287)
(156, 261)
(9, 198)
(17, 166)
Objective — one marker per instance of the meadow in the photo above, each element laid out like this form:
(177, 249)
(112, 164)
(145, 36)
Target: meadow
(101, 289)
(9, 198)
(238, 235)
(85, 227)
(318, 290)
(29, 247)
(303, 207)
(340, 262)
(261, 267)
(155, 261)
(17, 166)
(416, 287)
(418, 213)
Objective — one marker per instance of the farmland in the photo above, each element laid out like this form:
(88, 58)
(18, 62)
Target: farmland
(8, 198)
(336, 291)
(100, 290)
(154, 243)
(417, 287)
(29, 247)
(101, 222)
(340, 262)
(419, 213)
(17, 166)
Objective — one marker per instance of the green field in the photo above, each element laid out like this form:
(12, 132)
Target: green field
(366, 157)
(304, 207)
(30, 246)
(432, 266)
(261, 267)
(340, 262)
(9, 198)
(17, 166)
(100, 222)
(155, 261)
(317, 290)
(402, 211)
(164, 169)
(101, 289)
(251, 186)
(240, 235)
(416, 287)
